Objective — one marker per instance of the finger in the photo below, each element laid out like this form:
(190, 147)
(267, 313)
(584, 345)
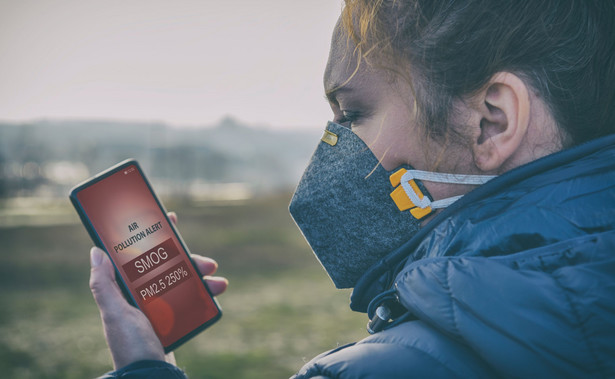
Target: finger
(207, 266)
(105, 290)
(172, 217)
(216, 284)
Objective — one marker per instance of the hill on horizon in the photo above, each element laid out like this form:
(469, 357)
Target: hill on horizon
(50, 156)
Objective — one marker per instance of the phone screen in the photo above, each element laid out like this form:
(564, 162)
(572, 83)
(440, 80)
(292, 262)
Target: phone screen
(148, 253)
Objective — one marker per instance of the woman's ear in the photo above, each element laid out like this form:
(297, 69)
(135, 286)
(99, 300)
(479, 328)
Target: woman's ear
(504, 112)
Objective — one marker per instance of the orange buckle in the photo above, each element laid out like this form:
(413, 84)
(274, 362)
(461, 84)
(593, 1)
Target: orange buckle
(402, 199)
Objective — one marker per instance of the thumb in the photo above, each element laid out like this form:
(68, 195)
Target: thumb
(104, 288)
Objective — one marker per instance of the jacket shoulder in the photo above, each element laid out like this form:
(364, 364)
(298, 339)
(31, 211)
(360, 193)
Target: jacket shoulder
(550, 310)
(410, 349)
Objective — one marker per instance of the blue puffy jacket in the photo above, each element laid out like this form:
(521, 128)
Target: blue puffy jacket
(516, 279)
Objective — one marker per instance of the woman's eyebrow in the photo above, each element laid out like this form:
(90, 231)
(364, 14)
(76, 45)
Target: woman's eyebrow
(330, 96)
(332, 92)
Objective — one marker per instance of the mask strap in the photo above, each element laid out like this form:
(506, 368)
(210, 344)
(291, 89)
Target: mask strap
(409, 196)
(446, 178)
(443, 203)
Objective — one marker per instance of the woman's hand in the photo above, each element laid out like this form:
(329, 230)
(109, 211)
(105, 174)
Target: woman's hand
(129, 333)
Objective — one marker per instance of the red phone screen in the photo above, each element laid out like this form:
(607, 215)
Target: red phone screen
(148, 254)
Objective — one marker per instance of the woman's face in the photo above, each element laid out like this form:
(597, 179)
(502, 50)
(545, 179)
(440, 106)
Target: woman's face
(378, 109)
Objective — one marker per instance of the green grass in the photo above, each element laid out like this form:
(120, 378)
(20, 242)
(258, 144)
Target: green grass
(280, 309)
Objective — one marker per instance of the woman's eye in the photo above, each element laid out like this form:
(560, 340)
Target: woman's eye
(348, 117)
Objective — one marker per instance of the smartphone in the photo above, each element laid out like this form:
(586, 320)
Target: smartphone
(125, 218)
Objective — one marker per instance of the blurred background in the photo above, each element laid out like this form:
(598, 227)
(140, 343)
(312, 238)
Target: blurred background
(222, 104)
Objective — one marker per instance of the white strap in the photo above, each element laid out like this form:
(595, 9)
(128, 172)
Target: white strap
(443, 203)
(440, 178)
(447, 178)
(413, 196)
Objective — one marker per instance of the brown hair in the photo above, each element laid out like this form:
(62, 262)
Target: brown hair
(563, 49)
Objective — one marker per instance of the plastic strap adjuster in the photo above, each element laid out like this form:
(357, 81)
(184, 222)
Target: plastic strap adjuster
(408, 195)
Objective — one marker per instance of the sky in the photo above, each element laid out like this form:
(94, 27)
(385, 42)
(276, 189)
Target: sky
(183, 62)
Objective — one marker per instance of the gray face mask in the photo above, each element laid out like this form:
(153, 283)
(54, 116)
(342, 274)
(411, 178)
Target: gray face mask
(353, 212)
(344, 209)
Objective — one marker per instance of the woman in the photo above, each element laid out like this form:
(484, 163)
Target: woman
(503, 267)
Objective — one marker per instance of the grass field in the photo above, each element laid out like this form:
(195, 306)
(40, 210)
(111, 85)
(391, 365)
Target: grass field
(280, 309)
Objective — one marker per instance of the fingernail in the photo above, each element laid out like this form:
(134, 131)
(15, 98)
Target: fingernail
(95, 256)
